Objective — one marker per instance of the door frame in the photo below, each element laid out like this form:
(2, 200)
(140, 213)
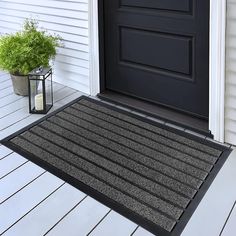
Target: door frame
(216, 68)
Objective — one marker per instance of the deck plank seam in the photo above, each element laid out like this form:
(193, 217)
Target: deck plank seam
(229, 215)
(6, 155)
(27, 184)
(63, 217)
(33, 208)
(13, 170)
(89, 233)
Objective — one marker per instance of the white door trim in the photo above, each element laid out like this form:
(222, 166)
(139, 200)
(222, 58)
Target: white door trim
(94, 70)
(217, 62)
(217, 68)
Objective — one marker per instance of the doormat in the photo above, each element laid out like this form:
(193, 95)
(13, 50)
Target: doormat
(152, 174)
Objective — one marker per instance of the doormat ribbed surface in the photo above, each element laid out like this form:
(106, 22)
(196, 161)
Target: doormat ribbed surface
(152, 174)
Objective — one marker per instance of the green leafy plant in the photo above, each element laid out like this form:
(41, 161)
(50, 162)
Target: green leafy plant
(27, 49)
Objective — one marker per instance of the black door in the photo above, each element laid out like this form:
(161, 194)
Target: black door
(157, 50)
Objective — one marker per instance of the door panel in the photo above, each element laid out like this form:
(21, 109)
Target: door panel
(157, 50)
(145, 47)
(182, 5)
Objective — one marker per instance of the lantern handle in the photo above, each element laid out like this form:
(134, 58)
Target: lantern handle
(40, 69)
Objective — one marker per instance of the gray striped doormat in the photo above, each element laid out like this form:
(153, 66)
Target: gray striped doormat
(152, 174)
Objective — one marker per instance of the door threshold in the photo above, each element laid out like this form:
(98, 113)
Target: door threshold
(168, 115)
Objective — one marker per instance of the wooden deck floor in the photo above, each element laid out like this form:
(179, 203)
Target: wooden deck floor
(33, 202)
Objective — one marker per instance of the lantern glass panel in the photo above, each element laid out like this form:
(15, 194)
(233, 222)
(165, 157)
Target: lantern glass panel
(40, 88)
(48, 87)
(36, 87)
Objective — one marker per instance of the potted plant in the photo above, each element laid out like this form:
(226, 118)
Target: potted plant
(25, 50)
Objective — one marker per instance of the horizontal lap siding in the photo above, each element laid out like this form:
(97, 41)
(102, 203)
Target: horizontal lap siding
(230, 98)
(69, 19)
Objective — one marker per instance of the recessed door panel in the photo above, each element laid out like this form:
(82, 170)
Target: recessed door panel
(181, 5)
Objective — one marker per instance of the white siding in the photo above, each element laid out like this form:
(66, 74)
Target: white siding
(69, 19)
(230, 98)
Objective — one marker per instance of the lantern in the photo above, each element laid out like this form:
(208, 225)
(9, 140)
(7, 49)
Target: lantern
(40, 90)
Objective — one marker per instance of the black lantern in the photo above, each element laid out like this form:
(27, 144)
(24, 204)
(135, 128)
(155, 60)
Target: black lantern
(40, 90)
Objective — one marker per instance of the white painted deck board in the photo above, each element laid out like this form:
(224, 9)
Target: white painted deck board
(142, 232)
(212, 212)
(23, 112)
(22, 102)
(4, 151)
(5, 84)
(18, 179)
(10, 119)
(24, 201)
(10, 163)
(48, 213)
(14, 114)
(9, 99)
(4, 78)
(81, 220)
(12, 107)
(115, 225)
(230, 227)
(5, 92)
(32, 118)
